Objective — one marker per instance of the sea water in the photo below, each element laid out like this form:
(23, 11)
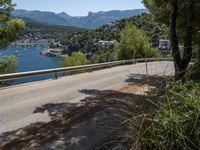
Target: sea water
(30, 59)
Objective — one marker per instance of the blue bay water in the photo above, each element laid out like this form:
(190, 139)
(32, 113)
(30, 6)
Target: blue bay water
(30, 59)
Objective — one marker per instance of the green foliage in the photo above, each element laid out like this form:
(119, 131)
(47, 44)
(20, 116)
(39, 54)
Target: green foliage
(76, 59)
(176, 125)
(160, 9)
(8, 64)
(172, 122)
(83, 41)
(105, 55)
(134, 43)
(193, 72)
(10, 32)
(9, 28)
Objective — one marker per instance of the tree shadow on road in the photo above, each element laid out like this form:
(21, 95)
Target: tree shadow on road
(55, 109)
(75, 127)
(154, 81)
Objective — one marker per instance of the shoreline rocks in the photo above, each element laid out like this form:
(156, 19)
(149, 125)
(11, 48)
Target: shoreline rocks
(53, 52)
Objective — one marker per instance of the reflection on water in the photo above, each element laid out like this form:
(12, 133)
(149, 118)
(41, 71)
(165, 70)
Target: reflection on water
(30, 59)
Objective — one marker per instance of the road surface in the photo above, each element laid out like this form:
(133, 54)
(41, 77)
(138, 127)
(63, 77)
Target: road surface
(18, 104)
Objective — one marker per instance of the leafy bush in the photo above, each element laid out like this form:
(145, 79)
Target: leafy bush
(134, 43)
(75, 59)
(105, 55)
(8, 64)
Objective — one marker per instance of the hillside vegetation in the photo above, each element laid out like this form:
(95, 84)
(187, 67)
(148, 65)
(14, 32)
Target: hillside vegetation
(46, 31)
(84, 41)
(112, 30)
(89, 42)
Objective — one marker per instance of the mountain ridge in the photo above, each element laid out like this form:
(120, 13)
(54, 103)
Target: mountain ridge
(91, 21)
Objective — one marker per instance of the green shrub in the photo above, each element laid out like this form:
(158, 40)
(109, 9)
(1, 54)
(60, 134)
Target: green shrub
(105, 55)
(7, 65)
(75, 59)
(177, 124)
(134, 43)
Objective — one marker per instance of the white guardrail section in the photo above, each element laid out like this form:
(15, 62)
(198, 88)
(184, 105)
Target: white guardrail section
(13, 76)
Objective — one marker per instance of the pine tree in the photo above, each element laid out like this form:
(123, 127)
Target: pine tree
(182, 17)
(9, 28)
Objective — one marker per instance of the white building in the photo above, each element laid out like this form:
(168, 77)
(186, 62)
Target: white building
(104, 44)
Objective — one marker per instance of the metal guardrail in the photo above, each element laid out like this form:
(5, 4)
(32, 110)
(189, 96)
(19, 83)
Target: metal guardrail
(13, 76)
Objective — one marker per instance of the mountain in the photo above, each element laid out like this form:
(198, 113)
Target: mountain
(39, 16)
(64, 15)
(91, 21)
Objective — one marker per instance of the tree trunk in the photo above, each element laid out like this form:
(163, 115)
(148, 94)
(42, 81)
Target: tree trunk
(199, 51)
(187, 54)
(173, 38)
(181, 64)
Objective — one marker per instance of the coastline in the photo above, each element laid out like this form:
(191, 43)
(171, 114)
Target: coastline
(26, 44)
(53, 52)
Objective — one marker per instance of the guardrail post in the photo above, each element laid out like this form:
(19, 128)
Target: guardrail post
(56, 75)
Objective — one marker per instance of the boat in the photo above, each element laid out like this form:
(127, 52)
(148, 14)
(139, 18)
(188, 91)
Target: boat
(19, 55)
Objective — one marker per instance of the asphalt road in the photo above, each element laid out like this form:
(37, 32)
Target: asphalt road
(18, 104)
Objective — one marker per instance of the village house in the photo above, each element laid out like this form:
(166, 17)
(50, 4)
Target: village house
(104, 44)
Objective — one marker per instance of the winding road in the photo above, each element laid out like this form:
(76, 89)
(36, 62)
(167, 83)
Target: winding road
(18, 104)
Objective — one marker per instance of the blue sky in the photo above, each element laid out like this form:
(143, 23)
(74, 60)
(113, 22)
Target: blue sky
(78, 7)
